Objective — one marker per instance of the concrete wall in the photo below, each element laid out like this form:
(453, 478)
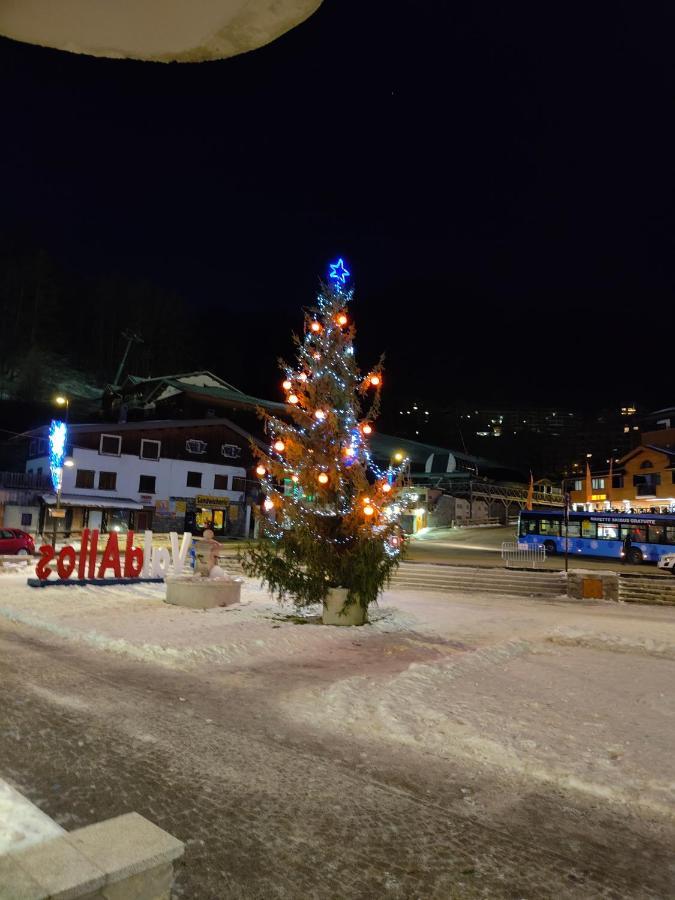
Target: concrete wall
(449, 510)
(11, 517)
(126, 858)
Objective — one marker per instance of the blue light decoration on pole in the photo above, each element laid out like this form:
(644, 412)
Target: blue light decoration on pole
(58, 433)
(339, 273)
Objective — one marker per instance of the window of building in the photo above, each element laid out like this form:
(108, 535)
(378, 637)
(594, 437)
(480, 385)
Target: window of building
(107, 481)
(194, 479)
(578, 484)
(220, 482)
(84, 478)
(231, 451)
(194, 446)
(239, 484)
(617, 481)
(646, 464)
(598, 484)
(27, 519)
(146, 484)
(110, 445)
(150, 449)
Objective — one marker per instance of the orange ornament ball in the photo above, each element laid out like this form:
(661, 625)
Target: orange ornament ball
(279, 446)
(386, 487)
(302, 376)
(295, 478)
(323, 478)
(293, 399)
(315, 327)
(342, 319)
(375, 380)
(368, 511)
(261, 470)
(287, 385)
(367, 429)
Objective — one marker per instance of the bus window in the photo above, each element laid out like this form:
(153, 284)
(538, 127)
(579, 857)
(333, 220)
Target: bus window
(638, 533)
(657, 534)
(608, 532)
(528, 526)
(662, 534)
(573, 529)
(587, 529)
(549, 526)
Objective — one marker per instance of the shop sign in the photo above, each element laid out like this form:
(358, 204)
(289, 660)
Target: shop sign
(162, 507)
(144, 561)
(208, 502)
(57, 513)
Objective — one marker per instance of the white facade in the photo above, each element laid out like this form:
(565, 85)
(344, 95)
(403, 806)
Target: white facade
(170, 476)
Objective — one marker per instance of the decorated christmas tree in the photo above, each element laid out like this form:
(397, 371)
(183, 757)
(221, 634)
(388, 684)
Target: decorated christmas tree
(329, 519)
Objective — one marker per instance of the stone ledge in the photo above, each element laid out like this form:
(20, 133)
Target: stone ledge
(125, 846)
(95, 861)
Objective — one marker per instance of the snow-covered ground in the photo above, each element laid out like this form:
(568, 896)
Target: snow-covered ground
(574, 696)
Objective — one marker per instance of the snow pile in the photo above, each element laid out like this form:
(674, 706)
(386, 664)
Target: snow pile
(133, 620)
(21, 822)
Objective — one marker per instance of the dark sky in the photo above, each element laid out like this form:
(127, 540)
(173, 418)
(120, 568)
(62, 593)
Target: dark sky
(498, 176)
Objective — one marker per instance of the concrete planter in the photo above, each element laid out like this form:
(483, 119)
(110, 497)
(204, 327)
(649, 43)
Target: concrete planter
(333, 607)
(202, 593)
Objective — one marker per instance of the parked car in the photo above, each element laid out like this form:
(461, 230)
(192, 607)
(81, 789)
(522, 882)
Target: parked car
(15, 541)
(667, 561)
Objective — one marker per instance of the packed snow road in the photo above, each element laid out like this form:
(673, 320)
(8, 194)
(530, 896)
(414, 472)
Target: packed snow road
(461, 746)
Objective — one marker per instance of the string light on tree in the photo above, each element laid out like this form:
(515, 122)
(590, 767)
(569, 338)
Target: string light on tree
(338, 535)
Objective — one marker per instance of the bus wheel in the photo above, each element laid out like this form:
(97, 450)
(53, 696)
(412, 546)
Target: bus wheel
(635, 557)
(550, 548)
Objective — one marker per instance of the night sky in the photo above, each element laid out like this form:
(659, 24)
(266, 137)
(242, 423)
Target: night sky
(499, 178)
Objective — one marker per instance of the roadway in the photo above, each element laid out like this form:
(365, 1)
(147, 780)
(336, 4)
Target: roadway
(481, 546)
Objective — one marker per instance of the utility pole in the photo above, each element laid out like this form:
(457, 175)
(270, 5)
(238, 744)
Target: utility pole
(131, 338)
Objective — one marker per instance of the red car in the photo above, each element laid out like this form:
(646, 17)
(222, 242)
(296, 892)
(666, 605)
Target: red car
(13, 541)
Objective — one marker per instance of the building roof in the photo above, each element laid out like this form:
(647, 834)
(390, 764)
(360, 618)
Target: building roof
(143, 425)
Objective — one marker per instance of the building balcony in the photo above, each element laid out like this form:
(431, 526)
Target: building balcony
(25, 481)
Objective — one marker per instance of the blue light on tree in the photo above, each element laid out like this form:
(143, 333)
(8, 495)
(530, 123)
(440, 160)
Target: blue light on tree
(338, 272)
(58, 433)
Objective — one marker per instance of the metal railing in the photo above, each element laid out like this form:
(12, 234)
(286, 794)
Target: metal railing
(25, 480)
(515, 554)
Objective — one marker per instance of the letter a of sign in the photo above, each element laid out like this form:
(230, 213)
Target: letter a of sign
(111, 557)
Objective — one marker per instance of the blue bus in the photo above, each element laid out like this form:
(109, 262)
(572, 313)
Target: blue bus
(599, 533)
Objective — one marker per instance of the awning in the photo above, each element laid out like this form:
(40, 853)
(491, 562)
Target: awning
(92, 500)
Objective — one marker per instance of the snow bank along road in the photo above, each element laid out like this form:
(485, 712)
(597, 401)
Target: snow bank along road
(460, 746)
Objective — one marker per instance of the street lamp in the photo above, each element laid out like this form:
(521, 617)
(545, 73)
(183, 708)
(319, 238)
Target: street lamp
(63, 401)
